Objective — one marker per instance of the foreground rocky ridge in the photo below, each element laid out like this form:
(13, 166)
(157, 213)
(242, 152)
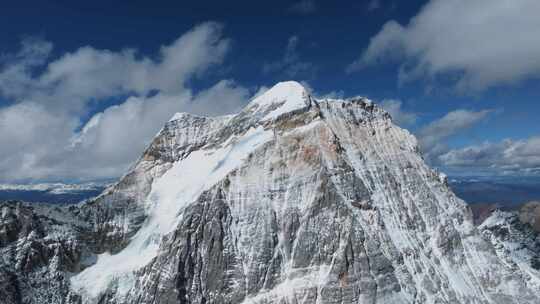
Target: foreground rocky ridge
(293, 200)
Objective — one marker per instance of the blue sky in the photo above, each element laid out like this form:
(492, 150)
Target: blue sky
(466, 84)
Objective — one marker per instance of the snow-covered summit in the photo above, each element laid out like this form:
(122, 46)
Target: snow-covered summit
(179, 115)
(282, 98)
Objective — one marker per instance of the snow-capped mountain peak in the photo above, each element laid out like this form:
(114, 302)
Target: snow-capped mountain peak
(282, 98)
(292, 200)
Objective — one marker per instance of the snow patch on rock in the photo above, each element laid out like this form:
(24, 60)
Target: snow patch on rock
(282, 98)
(178, 187)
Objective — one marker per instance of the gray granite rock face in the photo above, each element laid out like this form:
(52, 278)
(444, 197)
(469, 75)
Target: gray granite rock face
(305, 201)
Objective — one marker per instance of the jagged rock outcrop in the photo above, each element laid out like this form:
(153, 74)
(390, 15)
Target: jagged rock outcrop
(292, 200)
(515, 241)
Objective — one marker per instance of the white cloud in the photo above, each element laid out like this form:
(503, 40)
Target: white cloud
(433, 136)
(505, 157)
(319, 95)
(450, 124)
(261, 90)
(115, 137)
(225, 97)
(15, 79)
(479, 43)
(72, 79)
(512, 157)
(399, 116)
(303, 7)
(47, 98)
(290, 64)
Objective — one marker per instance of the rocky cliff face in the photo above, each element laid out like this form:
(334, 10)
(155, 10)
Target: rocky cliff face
(292, 200)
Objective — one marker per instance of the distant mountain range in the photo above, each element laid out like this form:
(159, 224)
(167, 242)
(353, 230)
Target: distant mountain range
(51, 192)
(507, 192)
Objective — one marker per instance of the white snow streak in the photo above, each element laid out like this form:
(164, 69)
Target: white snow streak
(170, 194)
(290, 93)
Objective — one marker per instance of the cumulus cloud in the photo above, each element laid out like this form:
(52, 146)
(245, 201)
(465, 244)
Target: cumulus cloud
(448, 125)
(479, 43)
(290, 65)
(433, 136)
(225, 97)
(303, 7)
(399, 115)
(72, 79)
(121, 132)
(41, 130)
(510, 157)
(505, 157)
